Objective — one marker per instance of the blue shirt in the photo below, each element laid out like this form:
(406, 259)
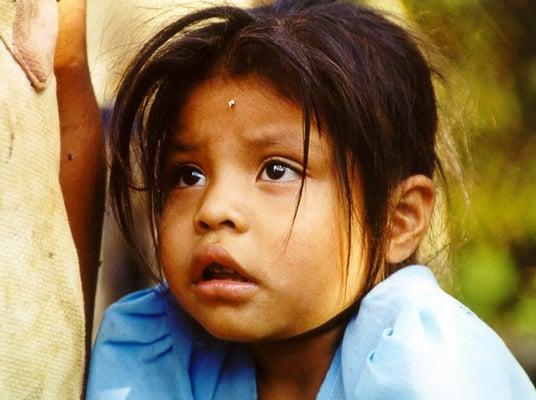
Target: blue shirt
(409, 340)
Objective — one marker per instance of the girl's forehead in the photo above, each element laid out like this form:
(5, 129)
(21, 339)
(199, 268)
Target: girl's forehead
(246, 109)
(240, 102)
(222, 93)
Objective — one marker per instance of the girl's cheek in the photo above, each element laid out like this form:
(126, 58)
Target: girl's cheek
(178, 208)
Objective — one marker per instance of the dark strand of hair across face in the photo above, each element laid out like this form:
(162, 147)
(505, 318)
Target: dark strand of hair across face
(358, 77)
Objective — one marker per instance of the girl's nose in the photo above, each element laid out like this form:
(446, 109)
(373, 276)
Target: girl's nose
(221, 207)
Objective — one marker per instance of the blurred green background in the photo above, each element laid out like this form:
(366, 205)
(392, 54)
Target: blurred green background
(489, 103)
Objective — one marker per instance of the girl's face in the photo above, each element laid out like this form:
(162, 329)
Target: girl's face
(229, 249)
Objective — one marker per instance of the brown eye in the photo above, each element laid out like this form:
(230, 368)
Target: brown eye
(279, 171)
(275, 171)
(187, 175)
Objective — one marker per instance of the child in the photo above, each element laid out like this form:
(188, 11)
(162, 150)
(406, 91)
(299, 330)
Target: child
(288, 154)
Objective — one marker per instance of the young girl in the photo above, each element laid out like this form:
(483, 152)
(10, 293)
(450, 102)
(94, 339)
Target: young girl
(288, 154)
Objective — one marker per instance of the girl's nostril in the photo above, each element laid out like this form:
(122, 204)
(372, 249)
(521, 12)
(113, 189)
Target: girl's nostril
(229, 223)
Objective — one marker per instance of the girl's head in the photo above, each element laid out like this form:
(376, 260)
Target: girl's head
(292, 144)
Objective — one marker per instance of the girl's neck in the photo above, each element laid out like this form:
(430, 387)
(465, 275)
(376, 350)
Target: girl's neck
(295, 368)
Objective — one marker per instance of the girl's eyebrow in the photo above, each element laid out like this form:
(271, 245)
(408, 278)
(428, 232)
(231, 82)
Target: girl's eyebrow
(288, 141)
(180, 146)
(275, 137)
(263, 139)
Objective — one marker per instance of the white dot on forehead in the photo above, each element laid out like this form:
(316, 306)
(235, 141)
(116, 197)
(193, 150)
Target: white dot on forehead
(232, 103)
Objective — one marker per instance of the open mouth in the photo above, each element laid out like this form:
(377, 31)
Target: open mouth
(215, 271)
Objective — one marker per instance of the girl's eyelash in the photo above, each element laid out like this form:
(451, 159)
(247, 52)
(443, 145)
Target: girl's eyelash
(186, 174)
(283, 163)
(177, 177)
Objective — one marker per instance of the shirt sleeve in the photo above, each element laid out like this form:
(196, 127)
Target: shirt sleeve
(436, 348)
(133, 354)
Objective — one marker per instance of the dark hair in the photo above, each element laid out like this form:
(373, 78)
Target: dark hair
(356, 74)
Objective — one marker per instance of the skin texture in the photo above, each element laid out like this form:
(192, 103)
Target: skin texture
(223, 196)
(81, 166)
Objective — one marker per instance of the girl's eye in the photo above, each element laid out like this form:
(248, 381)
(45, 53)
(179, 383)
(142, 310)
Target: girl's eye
(186, 175)
(279, 171)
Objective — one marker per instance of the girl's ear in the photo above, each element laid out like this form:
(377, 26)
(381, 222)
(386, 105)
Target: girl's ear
(413, 204)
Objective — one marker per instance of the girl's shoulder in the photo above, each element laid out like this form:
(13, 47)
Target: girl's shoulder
(139, 323)
(146, 344)
(134, 336)
(410, 339)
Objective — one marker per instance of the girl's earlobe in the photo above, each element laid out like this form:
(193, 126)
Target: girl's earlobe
(410, 217)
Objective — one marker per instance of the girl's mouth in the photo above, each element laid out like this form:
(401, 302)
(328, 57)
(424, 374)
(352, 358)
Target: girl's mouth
(215, 271)
(218, 277)
(216, 263)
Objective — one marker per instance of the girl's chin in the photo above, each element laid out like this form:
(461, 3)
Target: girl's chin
(232, 333)
(242, 333)
(238, 334)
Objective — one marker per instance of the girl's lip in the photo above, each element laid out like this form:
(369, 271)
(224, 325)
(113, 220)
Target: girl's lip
(225, 290)
(213, 254)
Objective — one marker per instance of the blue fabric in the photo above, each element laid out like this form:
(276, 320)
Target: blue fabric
(409, 340)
